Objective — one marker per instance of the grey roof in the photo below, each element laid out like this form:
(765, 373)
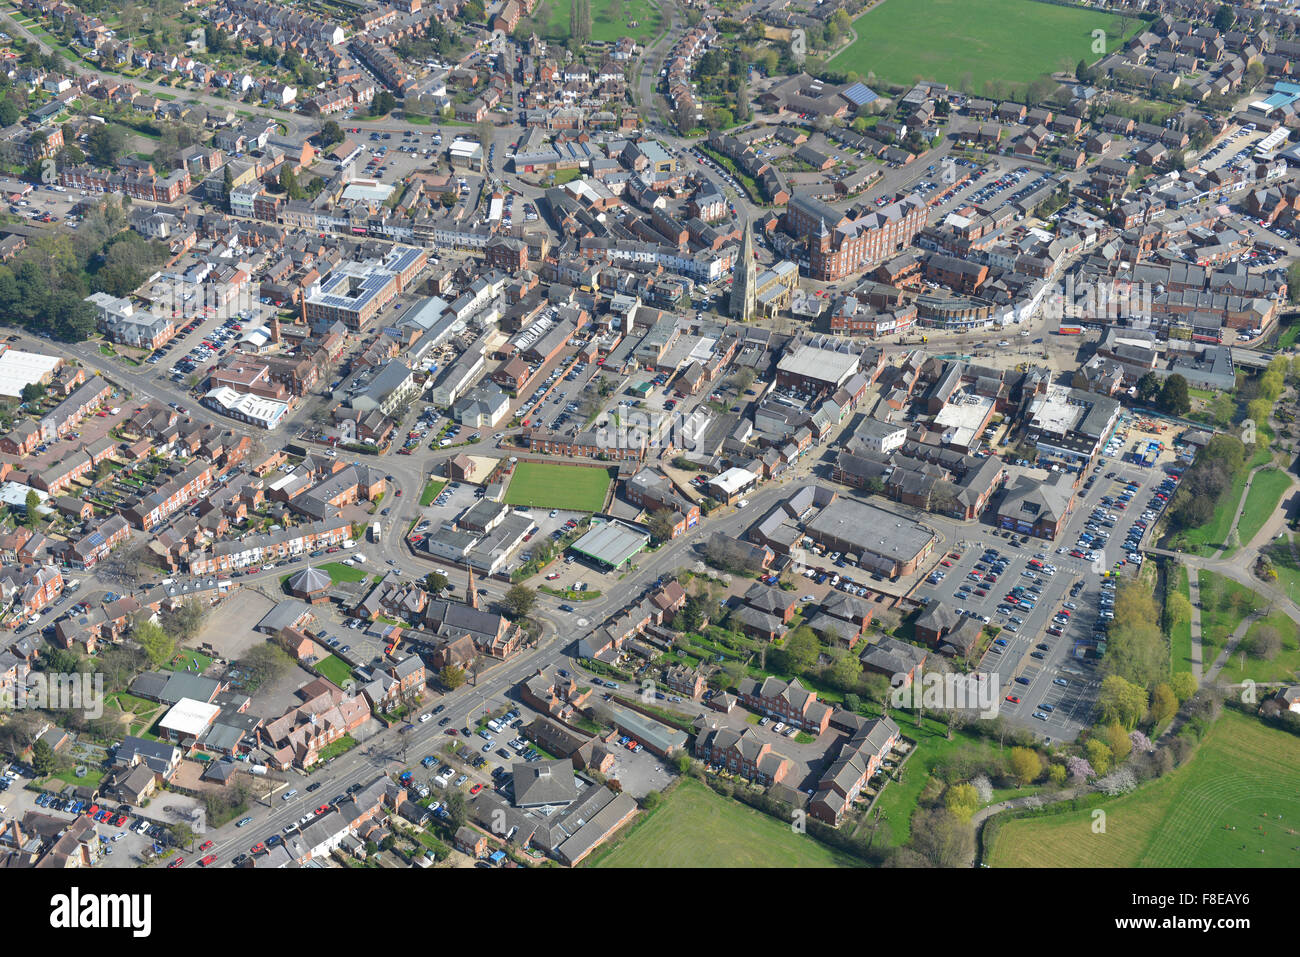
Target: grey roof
(543, 783)
(310, 579)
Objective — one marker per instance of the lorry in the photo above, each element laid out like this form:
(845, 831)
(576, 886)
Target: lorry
(374, 531)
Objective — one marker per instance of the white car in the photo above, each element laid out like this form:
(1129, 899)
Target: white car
(425, 717)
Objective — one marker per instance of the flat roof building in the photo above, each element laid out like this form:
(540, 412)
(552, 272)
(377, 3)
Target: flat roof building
(611, 545)
(879, 541)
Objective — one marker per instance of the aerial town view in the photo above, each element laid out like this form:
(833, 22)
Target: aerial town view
(499, 434)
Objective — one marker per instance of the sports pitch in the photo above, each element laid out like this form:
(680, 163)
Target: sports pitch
(968, 43)
(572, 487)
(1236, 804)
(698, 828)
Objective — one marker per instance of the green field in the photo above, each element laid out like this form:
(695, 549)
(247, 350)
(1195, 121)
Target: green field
(1265, 492)
(697, 828)
(982, 46)
(1224, 605)
(1283, 667)
(572, 487)
(610, 19)
(431, 491)
(1207, 539)
(1244, 775)
(1180, 638)
(338, 572)
(900, 799)
(335, 669)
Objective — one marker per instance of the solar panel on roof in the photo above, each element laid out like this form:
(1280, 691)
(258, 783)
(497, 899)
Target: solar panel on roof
(859, 94)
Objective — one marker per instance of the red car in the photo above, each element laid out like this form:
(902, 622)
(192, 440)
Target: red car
(207, 845)
(452, 731)
(323, 809)
(1013, 699)
(475, 789)
(946, 564)
(176, 863)
(208, 861)
(120, 820)
(258, 848)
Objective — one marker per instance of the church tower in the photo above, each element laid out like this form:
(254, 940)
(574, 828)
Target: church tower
(743, 294)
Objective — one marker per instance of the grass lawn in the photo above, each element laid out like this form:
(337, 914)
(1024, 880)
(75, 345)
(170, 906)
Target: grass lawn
(1206, 539)
(129, 702)
(1180, 639)
(1288, 572)
(898, 801)
(610, 20)
(92, 778)
(335, 669)
(1281, 668)
(1224, 603)
(1265, 492)
(1288, 337)
(190, 661)
(697, 828)
(973, 42)
(338, 572)
(1243, 776)
(571, 487)
(335, 748)
(431, 491)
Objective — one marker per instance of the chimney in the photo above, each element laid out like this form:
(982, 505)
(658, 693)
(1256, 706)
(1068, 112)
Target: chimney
(471, 594)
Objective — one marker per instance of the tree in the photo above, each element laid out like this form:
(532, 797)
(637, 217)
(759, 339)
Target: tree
(331, 133)
(1117, 740)
(156, 643)
(452, 677)
(1263, 642)
(1138, 649)
(846, 672)
(1178, 610)
(1148, 388)
(662, 524)
(962, 800)
(1224, 18)
(1056, 774)
(519, 601)
(106, 143)
(1173, 397)
(289, 182)
(456, 812)
(1026, 765)
(435, 582)
(185, 621)
(32, 506)
(1121, 701)
(1099, 755)
(1164, 703)
(43, 758)
(798, 652)
(942, 839)
(33, 391)
(1082, 72)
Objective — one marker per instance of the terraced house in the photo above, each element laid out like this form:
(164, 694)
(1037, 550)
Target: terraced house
(786, 701)
(175, 493)
(848, 774)
(741, 752)
(270, 546)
